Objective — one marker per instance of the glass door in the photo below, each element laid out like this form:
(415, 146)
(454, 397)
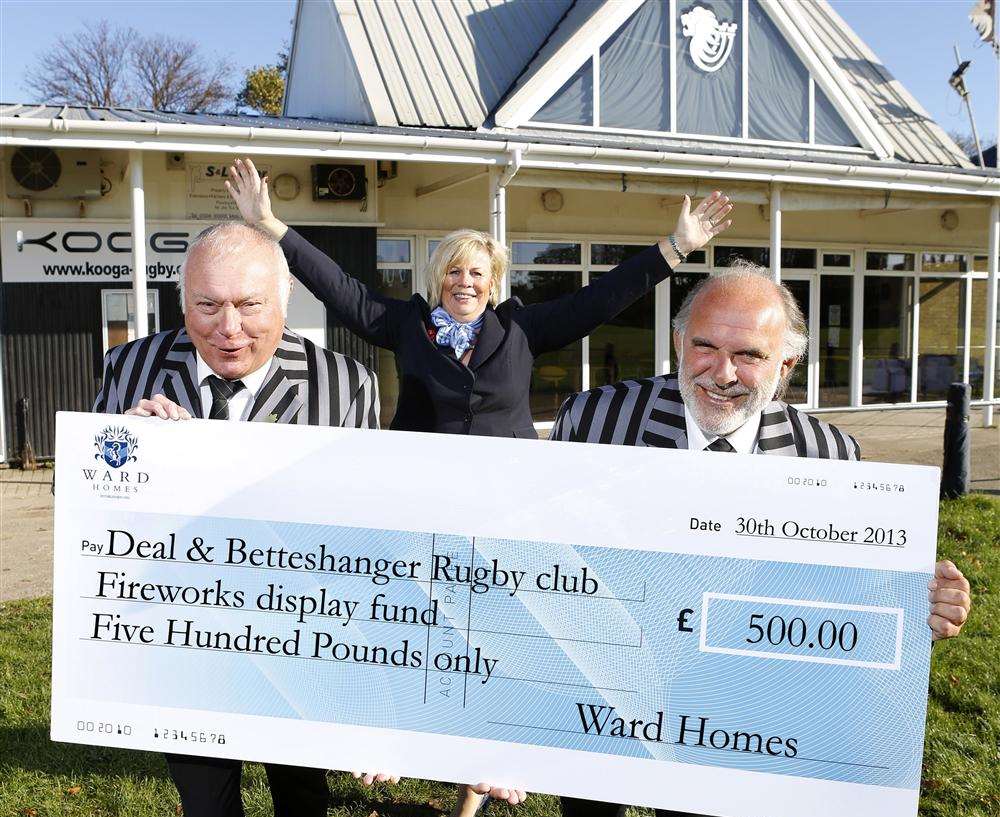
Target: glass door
(836, 321)
(801, 389)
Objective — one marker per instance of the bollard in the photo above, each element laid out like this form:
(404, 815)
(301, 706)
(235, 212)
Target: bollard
(25, 449)
(955, 469)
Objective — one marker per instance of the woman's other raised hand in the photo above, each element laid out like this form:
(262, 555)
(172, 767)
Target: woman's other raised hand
(695, 228)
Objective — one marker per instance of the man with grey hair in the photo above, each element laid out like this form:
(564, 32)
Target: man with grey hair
(738, 336)
(235, 360)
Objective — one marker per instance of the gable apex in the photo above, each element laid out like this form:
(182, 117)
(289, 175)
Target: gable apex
(573, 61)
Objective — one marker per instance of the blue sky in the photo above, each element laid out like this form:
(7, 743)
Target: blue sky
(914, 38)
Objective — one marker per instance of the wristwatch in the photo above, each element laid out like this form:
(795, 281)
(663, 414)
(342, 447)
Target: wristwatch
(676, 248)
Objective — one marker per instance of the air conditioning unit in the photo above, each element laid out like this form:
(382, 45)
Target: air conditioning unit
(44, 173)
(339, 183)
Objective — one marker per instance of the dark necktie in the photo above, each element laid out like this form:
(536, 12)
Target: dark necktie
(721, 444)
(222, 393)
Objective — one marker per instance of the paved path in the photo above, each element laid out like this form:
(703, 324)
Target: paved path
(913, 436)
(25, 533)
(917, 436)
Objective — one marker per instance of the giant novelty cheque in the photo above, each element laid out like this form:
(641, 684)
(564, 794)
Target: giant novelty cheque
(727, 635)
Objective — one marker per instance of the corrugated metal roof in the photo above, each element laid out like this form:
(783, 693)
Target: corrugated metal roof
(447, 64)
(524, 135)
(915, 136)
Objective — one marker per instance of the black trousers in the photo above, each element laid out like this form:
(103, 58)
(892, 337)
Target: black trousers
(571, 807)
(210, 787)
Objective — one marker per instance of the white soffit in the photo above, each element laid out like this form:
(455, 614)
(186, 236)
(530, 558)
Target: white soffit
(584, 29)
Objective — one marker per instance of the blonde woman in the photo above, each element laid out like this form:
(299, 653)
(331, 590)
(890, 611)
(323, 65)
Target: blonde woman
(464, 359)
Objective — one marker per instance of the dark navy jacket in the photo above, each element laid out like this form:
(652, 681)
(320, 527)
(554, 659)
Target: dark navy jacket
(489, 397)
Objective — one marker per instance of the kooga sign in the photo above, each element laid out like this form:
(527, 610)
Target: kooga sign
(62, 251)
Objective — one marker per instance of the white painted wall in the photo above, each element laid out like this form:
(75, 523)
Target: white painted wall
(323, 79)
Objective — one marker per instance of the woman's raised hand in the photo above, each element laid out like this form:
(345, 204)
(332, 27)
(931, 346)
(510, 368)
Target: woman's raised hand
(695, 228)
(249, 191)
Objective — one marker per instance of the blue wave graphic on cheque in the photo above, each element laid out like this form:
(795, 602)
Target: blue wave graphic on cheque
(796, 669)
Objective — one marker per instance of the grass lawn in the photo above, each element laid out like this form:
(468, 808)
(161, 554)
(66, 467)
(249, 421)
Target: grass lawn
(38, 778)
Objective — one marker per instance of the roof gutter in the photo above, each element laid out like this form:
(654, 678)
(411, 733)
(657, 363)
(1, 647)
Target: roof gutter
(164, 136)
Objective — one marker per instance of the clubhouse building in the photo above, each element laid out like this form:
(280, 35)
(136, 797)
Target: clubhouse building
(570, 130)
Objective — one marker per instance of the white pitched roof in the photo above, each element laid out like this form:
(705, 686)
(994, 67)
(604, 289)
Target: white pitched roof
(457, 63)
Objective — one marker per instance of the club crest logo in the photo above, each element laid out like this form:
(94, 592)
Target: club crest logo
(711, 41)
(116, 446)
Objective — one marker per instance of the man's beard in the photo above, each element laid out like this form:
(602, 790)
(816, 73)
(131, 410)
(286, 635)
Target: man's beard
(722, 421)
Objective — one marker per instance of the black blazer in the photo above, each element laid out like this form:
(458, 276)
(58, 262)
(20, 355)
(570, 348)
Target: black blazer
(489, 397)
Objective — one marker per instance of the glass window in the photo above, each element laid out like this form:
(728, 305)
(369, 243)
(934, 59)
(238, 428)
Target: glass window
(573, 104)
(981, 263)
(797, 391)
(889, 261)
(977, 342)
(393, 250)
(942, 336)
(613, 254)
(681, 284)
(709, 93)
(830, 128)
(118, 306)
(543, 252)
(555, 375)
(835, 321)
(779, 84)
(725, 255)
(697, 257)
(944, 262)
(838, 260)
(791, 257)
(622, 348)
(797, 258)
(635, 72)
(393, 279)
(888, 339)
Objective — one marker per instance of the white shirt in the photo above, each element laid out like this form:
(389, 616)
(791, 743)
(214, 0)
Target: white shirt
(743, 440)
(241, 402)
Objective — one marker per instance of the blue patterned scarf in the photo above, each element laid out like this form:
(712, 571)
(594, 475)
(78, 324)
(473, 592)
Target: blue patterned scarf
(450, 332)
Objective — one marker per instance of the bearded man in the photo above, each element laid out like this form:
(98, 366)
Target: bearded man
(738, 335)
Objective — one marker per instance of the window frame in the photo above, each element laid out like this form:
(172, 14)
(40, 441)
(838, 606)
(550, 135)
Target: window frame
(673, 132)
(151, 292)
(858, 252)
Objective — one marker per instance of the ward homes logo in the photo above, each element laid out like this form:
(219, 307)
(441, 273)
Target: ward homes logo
(117, 447)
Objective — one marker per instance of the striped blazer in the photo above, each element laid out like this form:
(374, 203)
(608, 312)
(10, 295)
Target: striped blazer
(650, 412)
(306, 384)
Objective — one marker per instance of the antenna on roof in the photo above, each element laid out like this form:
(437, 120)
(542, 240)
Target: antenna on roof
(957, 81)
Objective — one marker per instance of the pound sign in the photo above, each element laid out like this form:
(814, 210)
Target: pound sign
(682, 620)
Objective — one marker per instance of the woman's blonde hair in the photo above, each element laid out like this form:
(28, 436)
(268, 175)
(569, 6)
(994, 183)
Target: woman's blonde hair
(457, 247)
